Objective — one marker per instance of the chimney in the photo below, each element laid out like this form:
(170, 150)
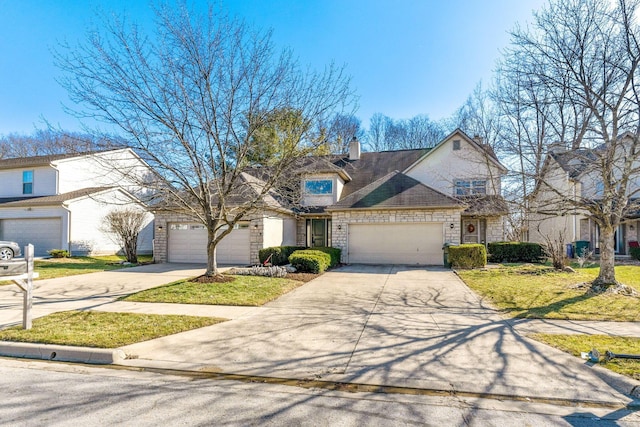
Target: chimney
(354, 149)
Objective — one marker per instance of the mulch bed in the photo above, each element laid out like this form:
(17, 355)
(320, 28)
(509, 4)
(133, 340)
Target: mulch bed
(301, 277)
(219, 278)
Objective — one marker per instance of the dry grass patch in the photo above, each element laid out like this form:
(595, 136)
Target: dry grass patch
(534, 291)
(103, 329)
(243, 291)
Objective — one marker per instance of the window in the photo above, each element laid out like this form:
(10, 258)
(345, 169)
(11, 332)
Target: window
(599, 189)
(456, 144)
(466, 188)
(179, 227)
(27, 182)
(318, 186)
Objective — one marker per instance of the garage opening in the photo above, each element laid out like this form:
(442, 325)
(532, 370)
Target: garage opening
(405, 243)
(188, 243)
(43, 233)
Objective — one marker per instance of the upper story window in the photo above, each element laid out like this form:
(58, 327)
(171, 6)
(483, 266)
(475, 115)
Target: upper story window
(318, 186)
(468, 188)
(456, 144)
(599, 188)
(27, 182)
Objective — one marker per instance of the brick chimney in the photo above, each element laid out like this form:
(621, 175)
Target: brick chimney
(354, 149)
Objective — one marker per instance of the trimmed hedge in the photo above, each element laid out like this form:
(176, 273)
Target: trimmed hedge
(472, 255)
(280, 254)
(334, 253)
(310, 261)
(515, 252)
(635, 252)
(59, 253)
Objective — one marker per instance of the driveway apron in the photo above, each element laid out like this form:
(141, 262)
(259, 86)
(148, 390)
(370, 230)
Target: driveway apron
(386, 325)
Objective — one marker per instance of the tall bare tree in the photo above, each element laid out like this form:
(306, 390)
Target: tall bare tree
(572, 78)
(191, 98)
(419, 131)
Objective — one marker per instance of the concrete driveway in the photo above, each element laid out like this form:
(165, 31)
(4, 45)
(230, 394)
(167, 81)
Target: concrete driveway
(387, 325)
(86, 291)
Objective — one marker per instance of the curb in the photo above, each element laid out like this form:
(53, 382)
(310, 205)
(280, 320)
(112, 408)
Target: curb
(61, 353)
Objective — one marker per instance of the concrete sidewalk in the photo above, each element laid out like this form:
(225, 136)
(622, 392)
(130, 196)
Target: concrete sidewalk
(89, 291)
(391, 326)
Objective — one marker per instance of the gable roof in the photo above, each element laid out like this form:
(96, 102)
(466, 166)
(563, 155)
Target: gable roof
(23, 162)
(59, 199)
(396, 190)
(484, 149)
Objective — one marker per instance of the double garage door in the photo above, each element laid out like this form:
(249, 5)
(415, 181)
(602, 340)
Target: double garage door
(416, 243)
(43, 233)
(188, 243)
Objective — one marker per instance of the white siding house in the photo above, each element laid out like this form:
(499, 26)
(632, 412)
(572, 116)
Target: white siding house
(60, 201)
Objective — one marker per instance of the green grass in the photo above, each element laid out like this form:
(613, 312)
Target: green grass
(102, 329)
(576, 344)
(62, 267)
(533, 291)
(244, 290)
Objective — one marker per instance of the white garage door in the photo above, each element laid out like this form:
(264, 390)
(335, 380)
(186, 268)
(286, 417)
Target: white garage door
(418, 243)
(188, 243)
(43, 233)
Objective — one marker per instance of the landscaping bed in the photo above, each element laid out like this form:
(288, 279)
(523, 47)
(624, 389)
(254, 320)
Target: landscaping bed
(103, 329)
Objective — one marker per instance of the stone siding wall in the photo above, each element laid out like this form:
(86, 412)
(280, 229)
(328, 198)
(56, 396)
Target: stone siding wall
(495, 229)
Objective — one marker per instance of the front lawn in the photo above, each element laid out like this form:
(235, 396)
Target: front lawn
(62, 267)
(102, 329)
(244, 290)
(576, 344)
(535, 291)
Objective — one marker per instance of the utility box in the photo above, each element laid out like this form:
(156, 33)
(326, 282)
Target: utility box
(581, 248)
(13, 268)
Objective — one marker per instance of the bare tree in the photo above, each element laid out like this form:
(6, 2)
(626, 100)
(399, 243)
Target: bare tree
(190, 97)
(50, 141)
(339, 132)
(419, 131)
(125, 226)
(572, 79)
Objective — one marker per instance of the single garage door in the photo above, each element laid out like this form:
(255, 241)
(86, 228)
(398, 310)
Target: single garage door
(43, 233)
(417, 243)
(188, 243)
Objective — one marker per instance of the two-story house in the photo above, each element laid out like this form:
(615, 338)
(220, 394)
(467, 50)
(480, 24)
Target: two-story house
(393, 207)
(573, 178)
(60, 201)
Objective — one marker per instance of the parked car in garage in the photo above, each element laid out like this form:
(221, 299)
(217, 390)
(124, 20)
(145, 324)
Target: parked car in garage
(9, 250)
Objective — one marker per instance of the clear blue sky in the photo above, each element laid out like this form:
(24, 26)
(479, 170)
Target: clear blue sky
(406, 57)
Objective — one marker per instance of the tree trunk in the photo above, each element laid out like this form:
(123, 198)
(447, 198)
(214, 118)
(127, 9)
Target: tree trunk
(607, 275)
(212, 265)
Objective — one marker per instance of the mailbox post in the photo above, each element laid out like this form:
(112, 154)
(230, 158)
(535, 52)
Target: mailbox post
(22, 274)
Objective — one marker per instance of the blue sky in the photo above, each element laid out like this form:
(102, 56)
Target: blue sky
(406, 57)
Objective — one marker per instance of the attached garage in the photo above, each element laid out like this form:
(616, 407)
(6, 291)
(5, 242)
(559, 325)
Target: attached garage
(43, 233)
(187, 242)
(397, 243)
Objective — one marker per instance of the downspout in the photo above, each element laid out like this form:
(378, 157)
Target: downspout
(575, 213)
(68, 227)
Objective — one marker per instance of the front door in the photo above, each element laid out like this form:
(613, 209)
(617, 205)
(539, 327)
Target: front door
(473, 230)
(318, 233)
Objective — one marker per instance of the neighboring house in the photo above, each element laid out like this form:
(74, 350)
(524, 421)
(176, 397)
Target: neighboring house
(59, 201)
(396, 207)
(570, 176)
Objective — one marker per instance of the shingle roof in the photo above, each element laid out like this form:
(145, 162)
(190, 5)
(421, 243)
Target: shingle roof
(574, 162)
(485, 205)
(59, 199)
(22, 162)
(396, 190)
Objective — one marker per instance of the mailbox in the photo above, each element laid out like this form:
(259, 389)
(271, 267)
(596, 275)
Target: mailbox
(13, 268)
